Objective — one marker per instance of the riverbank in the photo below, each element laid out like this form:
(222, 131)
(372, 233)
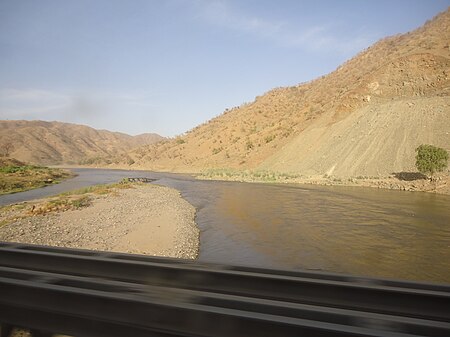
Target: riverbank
(16, 176)
(404, 181)
(143, 219)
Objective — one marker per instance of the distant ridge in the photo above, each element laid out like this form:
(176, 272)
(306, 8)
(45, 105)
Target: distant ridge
(364, 119)
(53, 143)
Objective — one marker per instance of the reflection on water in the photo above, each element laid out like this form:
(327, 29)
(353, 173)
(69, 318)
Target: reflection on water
(362, 231)
(352, 230)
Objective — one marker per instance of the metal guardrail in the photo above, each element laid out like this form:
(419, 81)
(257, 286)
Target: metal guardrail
(86, 293)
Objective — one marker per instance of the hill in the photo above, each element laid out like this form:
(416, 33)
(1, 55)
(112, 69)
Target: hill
(364, 119)
(50, 143)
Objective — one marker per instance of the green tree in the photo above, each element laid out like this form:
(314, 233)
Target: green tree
(431, 159)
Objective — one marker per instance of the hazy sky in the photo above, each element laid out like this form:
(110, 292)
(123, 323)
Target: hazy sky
(166, 66)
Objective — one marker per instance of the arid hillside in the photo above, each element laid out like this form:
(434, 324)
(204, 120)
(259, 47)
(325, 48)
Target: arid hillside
(50, 143)
(363, 119)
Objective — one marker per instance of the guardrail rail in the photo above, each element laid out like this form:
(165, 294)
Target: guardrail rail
(75, 292)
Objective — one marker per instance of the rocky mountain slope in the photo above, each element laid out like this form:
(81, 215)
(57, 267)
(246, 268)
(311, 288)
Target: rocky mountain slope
(49, 143)
(364, 119)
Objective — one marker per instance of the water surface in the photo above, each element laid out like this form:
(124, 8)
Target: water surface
(361, 231)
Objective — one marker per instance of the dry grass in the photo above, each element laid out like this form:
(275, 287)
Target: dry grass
(249, 175)
(101, 189)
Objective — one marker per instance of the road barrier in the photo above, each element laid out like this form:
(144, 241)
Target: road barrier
(89, 293)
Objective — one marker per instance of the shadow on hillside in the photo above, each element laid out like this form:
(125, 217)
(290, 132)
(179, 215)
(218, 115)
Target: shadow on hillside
(410, 176)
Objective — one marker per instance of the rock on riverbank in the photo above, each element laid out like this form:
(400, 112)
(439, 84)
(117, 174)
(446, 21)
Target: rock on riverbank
(147, 219)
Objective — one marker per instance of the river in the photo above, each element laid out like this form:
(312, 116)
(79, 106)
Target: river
(359, 231)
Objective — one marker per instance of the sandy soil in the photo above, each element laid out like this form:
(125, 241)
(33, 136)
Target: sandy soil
(147, 219)
(405, 181)
(440, 185)
(376, 141)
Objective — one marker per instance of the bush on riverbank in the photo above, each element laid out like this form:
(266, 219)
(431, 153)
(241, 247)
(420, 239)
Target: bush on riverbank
(431, 159)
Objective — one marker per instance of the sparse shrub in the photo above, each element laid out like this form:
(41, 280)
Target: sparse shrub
(249, 145)
(180, 141)
(15, 169)
(6, 149)
(431, 159)
(287, 132)
(83, 201)
(217, 150)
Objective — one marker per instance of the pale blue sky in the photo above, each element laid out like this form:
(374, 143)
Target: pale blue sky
(166, 66)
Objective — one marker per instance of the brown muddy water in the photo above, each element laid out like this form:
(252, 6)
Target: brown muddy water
(359, 231)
